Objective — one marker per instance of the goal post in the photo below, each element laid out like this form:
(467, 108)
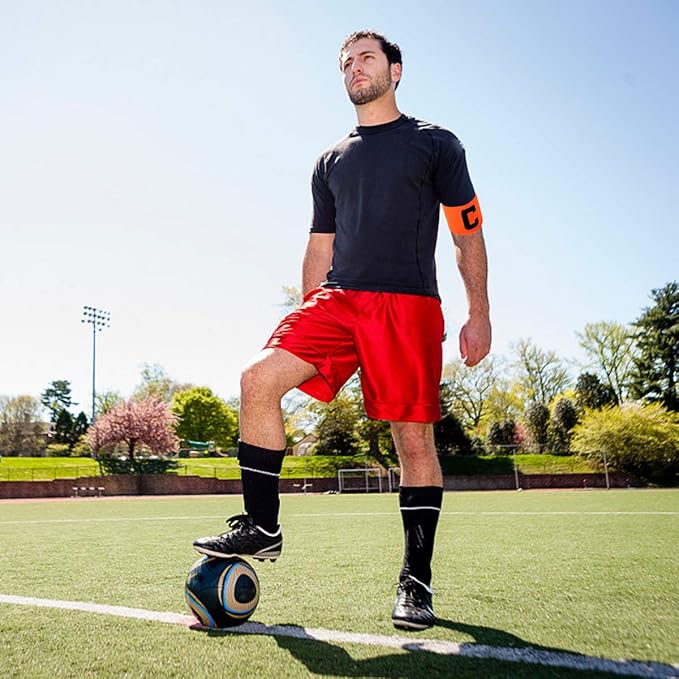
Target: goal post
(394, 478)
(363, 480)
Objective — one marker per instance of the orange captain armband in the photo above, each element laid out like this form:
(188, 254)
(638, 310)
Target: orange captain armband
(464, 219)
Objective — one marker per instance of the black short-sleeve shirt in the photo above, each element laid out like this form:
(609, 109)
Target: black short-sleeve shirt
(379, 191)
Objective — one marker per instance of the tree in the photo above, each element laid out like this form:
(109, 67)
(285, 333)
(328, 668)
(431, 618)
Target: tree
(135, 424)
(68, 429)
(564, 418)
(501, 437)
(503, 404)
(299, 416)
(468, 389)
(157, 384)
(591, 393)
(292, 298)
(376, 434)
(63, 428)
(657, 338)
(80, 427)
(450, 436)
(537, 423)
(202, 416)
(57, 397)
(21, 432)
(107, 400)
(336, 429)
(541, 375)
(610, 350)
(642, 439)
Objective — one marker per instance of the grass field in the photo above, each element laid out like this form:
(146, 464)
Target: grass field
(587, 572)
(48, 468)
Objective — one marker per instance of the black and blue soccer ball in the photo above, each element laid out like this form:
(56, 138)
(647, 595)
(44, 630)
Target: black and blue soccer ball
(222, 592)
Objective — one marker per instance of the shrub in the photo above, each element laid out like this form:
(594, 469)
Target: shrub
(58, 450)
(537, 424)
(635, 438)
(82, 448)
(136, 465)
(565, 417)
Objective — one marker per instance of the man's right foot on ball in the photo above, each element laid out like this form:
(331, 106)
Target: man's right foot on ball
(244, 538)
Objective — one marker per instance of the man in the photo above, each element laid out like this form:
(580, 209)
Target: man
(370, 301)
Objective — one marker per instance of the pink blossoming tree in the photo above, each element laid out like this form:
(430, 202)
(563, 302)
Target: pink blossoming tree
(148, 423)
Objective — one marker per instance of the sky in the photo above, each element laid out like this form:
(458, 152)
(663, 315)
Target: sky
(155, 161)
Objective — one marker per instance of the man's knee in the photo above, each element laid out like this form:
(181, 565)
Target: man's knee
(257, 378)
(413, 435)
(417, 454)
(272, 373)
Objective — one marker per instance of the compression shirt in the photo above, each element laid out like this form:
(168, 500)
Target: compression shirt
(379, 191)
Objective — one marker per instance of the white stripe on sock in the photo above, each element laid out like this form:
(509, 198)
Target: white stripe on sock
(266, 532)
(411, 509)
(258, 471)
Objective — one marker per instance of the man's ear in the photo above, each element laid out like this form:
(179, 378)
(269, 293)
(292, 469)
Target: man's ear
(396, 72)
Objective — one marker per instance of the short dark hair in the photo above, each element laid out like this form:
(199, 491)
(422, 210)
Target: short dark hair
(390, 49)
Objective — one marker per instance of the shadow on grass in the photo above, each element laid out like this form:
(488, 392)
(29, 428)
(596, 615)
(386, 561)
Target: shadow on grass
(477, 659)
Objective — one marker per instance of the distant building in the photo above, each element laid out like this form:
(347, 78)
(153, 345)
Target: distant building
(304, 445)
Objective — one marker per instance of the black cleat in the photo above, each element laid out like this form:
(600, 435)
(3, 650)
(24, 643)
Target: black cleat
(243, 539)
(413, 609)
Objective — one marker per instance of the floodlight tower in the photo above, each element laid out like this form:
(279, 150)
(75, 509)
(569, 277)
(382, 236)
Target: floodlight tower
(98, 319)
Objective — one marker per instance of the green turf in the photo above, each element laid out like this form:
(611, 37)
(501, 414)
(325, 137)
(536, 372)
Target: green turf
(48, 468)
(510, 570)
(293, 467)
(526, 464)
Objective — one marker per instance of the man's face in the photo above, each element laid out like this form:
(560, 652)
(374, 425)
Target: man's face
(367, 73)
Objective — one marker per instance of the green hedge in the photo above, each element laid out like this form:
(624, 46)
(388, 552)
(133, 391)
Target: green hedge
(40, 469)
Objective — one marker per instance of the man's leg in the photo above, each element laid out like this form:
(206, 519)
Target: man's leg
(420, 496)
(264, 382)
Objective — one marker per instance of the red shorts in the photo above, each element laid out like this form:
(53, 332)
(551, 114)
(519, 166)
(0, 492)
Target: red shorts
(394, 338)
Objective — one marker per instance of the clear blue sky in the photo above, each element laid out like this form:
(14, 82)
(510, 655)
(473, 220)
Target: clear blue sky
(155, 161)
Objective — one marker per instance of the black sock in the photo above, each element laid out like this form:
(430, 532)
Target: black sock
(420, 509)
(260, 469)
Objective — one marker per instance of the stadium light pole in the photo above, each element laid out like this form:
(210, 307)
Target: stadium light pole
(98, 319)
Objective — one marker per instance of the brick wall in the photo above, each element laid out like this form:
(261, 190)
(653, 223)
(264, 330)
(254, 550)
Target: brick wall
(169, 484)
(528, 481)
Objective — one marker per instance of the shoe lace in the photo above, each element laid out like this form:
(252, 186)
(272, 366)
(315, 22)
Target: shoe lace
(238, 522)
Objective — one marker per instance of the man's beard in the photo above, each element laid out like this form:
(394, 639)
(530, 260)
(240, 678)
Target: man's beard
(380, 85)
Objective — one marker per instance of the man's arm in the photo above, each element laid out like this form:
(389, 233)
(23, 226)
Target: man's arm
(317, 261)
(475, 335)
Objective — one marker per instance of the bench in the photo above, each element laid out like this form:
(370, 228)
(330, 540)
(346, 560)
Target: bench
(84, 491)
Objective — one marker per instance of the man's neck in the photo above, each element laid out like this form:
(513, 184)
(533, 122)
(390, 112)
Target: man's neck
(377, 112)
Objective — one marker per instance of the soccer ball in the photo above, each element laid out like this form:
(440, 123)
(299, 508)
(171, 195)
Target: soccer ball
(222, 592)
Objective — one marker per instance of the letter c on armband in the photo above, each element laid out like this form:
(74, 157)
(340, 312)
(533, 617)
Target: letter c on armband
(464, 219)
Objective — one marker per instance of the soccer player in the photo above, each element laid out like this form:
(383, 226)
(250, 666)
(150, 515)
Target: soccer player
(371, 302)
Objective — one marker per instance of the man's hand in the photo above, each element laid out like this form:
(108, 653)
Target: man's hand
(475, 337)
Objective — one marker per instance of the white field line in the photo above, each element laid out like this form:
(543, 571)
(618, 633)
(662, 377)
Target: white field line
(123, 519)
(453, 513)
(115, 519)
(528, 655)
